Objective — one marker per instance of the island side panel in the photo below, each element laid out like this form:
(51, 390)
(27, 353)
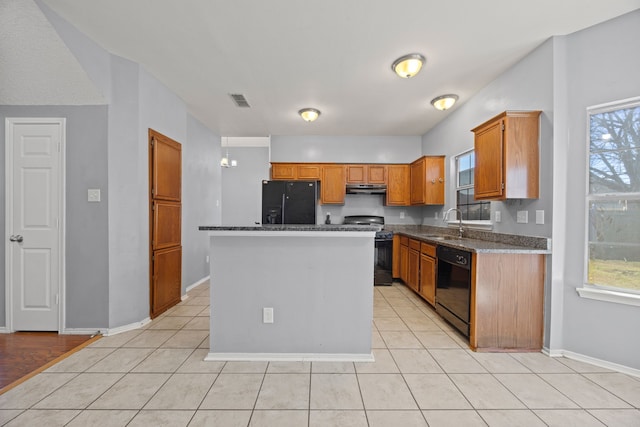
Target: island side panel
(320, 289)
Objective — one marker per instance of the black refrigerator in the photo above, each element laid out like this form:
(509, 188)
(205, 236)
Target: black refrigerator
(289, 202)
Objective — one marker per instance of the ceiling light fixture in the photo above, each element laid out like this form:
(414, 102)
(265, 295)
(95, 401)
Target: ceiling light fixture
(309, 114)
(409, 65)
(444, 102)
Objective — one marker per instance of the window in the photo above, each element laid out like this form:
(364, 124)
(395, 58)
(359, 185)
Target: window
(613, 199)
(472, 210)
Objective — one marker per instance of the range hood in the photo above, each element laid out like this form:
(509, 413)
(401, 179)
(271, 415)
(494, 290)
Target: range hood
(366, 189)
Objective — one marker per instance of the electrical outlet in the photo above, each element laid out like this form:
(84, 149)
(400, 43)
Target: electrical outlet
(206, 259)
(540, 217)
(401, 214)
(522, 217)
(93, 195)
(435, 215)
(267, 315)
(498, 216)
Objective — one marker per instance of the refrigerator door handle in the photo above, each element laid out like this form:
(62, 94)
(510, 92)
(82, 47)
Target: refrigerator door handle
(282, 210)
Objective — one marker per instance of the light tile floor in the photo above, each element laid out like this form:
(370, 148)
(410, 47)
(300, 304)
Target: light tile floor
(424, 375)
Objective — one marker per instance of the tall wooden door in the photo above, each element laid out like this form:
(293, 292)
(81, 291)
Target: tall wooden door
(165, 206)
(34, 251)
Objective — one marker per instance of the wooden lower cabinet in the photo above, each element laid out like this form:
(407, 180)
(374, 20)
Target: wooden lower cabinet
(413, 265)
(428, 273)
(507, 302)
(404, 259)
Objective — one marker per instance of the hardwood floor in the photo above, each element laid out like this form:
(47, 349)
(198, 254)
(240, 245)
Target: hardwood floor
(23, 354)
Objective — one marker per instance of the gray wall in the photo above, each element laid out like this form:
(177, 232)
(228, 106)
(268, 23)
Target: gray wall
(526, 86)
(353, 149)
(601, 66)
(201, 189)
(137, 101)
(241, 186)
(87, 256)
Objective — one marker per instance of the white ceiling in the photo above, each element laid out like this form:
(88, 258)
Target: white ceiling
(334, 55)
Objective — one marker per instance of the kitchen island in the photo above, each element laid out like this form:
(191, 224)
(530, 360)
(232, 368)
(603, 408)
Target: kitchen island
(313, 282)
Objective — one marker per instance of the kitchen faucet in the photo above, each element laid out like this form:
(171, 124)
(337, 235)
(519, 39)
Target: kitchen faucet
(445, 218)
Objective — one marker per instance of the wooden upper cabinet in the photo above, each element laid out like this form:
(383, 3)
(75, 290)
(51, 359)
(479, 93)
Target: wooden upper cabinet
(333, 184)
(427, 181)
(309, 171)
(366, 174)
(377, 174)
(283, 170)
(507, 156)
(398, 183)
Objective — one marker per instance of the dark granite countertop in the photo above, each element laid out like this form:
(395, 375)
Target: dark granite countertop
(474, 240)
(290, 227)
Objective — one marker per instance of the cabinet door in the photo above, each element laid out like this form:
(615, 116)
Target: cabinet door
(428, 278)
(395, 257)
(398, 185)
(417, 181)
(283, 171)
(332, 186)
(376, 174)
(404, 263)
(356, 174)
(488, 173)
(434, 185)
(309, 172)
(413, 279)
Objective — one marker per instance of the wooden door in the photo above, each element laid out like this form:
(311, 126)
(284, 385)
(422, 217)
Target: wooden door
(165, 231)
(428, 278)
(418, 171)
(398, 183)
(434, 184)
(34, 188)
(377, 174)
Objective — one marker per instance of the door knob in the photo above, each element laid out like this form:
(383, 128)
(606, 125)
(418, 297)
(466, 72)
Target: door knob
(15, 238)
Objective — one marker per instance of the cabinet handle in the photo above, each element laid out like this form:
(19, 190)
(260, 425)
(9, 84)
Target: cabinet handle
(440, 180)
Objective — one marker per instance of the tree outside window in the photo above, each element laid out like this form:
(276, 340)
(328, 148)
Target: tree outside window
(614, 197)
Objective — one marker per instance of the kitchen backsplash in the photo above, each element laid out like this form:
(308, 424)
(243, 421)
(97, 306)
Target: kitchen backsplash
(370, 204)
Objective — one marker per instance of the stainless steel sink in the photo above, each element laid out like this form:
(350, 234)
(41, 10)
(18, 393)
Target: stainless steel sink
(442, 237)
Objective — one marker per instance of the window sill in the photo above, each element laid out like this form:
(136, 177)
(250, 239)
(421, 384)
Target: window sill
(609, 296)
(474, 225)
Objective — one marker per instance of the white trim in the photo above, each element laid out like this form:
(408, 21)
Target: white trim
(290, 357)
(198, 283)
(593, 361)
(81, 331)
(4, 330)
(126, 328)
(609, 296)
(9, 125)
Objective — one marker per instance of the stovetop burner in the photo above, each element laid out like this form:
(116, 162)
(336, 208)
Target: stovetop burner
(370, 220)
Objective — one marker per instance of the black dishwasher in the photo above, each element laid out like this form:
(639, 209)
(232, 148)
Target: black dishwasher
(453, 287)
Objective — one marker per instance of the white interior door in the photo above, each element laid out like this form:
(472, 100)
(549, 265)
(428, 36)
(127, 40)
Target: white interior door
(33, 225)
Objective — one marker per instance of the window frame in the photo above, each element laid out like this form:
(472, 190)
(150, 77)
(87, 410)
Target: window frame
(591, 290)
(484, 224)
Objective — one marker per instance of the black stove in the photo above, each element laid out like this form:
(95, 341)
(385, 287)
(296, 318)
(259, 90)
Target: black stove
(383, 246)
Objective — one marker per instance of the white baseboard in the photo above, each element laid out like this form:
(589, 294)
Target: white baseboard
(4, 330)
(198, 283)
(79, 331)
(290, 357)
(126, 328)
(593, 361)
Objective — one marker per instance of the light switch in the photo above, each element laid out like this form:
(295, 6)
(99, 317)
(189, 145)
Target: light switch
(540, 217)
(498, 216)
(522, 217)
(93, 195)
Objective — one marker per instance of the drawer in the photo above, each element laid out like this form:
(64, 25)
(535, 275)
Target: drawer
(404, 240)
(428, 249)
(414, 244)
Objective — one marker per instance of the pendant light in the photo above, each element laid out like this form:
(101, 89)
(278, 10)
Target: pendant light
(226, 162)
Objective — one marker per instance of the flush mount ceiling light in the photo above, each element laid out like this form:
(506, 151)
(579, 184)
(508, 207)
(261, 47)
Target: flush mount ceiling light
(409, 65)
(444, 102)
(309, 114)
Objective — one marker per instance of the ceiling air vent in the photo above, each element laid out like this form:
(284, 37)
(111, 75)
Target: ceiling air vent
(240, 100)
